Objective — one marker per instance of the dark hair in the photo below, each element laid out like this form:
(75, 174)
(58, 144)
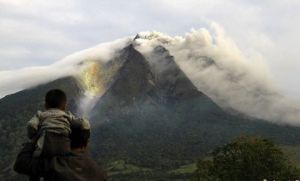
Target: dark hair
(79, 137)
(55, 98)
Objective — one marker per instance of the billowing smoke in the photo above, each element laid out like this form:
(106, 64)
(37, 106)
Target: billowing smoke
(77, 65)
(16, 80)
(209, 58)
(216, 66)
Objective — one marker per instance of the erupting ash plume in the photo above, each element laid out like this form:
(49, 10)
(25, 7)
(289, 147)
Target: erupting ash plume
(216, 66)
(210, 59)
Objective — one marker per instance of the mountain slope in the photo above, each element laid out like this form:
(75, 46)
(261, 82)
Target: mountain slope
(151, 116)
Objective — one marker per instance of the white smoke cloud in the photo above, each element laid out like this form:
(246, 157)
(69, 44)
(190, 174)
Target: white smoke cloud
(230, 79)
(16, 80)
(233, 81)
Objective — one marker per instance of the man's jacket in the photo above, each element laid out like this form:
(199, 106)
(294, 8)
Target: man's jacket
(76, 166)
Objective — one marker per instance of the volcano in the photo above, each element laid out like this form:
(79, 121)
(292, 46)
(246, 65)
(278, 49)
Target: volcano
(149, 115)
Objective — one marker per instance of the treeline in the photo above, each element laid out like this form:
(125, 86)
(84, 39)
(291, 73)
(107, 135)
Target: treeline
(247, 158)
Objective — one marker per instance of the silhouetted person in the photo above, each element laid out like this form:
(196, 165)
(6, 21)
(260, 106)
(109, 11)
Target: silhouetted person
(74, 166)
(54, 120)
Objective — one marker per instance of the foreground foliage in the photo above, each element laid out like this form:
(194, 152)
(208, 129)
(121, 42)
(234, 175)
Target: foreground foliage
(247, 158)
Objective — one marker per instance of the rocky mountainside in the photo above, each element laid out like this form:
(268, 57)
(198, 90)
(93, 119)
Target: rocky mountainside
(151, 115)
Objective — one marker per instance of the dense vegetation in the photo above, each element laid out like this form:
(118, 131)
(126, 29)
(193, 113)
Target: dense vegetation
(247, 159)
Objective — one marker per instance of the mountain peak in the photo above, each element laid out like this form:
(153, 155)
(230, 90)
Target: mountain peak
(151, 114)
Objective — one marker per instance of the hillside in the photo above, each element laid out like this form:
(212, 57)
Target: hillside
(158, 119)
(151, 119)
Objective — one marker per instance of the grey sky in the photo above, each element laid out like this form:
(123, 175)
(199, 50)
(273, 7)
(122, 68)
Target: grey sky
(35, 32)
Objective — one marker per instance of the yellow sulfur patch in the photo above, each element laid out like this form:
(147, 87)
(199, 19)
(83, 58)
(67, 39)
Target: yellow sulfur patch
(93, 79)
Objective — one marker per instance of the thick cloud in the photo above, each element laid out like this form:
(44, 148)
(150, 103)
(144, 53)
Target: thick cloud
(209, 57)
(38, 33)
(218, 68)
(15, 80)
(35, 33)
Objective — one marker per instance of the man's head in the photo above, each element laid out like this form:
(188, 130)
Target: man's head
(56, 99)
(80, 134)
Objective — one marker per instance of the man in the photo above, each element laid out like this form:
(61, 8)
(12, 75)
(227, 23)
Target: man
(74, 166)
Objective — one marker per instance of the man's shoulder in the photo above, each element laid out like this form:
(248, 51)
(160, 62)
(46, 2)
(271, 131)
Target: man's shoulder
(84, 160)
(81, 166)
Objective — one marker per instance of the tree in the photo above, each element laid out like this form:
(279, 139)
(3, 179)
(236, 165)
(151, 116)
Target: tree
(247, 158)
